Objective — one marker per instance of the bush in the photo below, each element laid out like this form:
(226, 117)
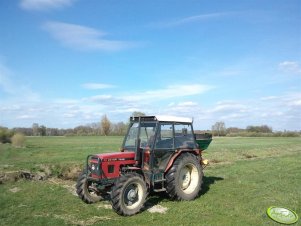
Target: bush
(5, 135)
(18, 140)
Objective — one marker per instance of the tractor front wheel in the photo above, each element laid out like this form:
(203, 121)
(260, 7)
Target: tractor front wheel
(128, 194)
(86, 189)
(184, 179)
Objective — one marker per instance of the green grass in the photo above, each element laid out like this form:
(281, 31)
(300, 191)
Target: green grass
(247, 176)
(55, 151)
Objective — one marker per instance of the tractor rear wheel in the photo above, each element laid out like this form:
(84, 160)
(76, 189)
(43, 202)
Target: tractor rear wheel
(184, 179)
(128, 194)
(86, 190)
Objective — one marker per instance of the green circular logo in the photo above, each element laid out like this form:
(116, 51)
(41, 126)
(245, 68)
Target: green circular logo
(282, 215)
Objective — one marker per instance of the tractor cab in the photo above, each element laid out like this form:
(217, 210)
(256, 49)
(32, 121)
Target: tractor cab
(155, 139)
(162, 132)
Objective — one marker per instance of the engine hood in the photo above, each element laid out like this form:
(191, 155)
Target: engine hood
(116, 156)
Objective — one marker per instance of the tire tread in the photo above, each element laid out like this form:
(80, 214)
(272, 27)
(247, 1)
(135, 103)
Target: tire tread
(171, 177)
(82, 192)
(117, 191)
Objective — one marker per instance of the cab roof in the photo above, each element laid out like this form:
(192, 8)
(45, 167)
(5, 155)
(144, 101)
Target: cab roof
(162, 118)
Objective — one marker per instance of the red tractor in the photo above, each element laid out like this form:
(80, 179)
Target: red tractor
(159, 153)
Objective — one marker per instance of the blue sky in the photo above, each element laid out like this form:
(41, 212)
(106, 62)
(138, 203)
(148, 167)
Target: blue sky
(65, 63)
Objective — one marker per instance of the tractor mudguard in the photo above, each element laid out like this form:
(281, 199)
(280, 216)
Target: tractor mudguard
(178, 153)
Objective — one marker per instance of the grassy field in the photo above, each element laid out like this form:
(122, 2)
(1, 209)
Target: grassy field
(246, 176)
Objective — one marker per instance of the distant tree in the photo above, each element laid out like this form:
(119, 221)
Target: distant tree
(234, 130)
(35, 129)
(219, 129)
(52, 132)
(259, 129)
(96, 128)
(66, 132)
(105, 125)
(138, 113)
(23, 130)
(120, 128)
(83, 130)
(42, 130)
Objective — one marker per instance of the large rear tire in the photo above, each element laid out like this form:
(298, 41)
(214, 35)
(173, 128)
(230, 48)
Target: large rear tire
(128, 194)
(86, 190)
(184, 179)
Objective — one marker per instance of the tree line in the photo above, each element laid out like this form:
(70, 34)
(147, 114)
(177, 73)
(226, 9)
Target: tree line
(105, 128)
(219, 129)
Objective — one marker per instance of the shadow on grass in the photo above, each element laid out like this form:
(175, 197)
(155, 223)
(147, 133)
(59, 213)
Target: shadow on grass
(207, 182)
(155, 198)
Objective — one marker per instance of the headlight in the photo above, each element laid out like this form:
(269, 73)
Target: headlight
(93, 167)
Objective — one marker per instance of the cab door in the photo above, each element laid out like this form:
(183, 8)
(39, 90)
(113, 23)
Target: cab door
(163, 146)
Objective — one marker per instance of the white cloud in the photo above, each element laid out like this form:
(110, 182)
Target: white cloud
(11, 108)
(69, 115)
(118, 106)
(125, 110)
(290, 67)
(201, 17)
(84, 38)
(185, 109)
(193, 19)
(95, 86)
(295, 103)
(183, 106)
(66, 101)
(25, 117)
(100, 98)
(269, 98)
(278, 111)
(292, 100)
(110, 101)
(228, 106)
(172, 91)
(41, 5)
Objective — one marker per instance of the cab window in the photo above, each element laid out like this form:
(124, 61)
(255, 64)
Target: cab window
(184, 136)
(131, 139)
(147, 134)
(165, 137)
